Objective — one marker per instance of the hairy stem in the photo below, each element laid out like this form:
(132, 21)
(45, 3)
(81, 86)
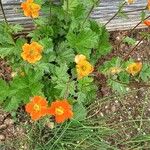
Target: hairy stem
(89, 13)
(132, 30)
(67, 1)
(3, 12)
(50, 11)
(134, 48)
(120, 8)
(132, 84)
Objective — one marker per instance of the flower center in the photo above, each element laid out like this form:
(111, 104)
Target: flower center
(83, 68)
(31, 51)
(36, 107)
(59, 110)
(135, 68)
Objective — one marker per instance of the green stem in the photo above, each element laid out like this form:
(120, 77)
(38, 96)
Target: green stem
(88, 15)
(50, 11)
(3, 12)
(132, 84)
(67, 1)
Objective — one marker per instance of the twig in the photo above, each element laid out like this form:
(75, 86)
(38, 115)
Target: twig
(132, 30)
(132, 84)
(3, 12)
(115, 13)
(134, 48)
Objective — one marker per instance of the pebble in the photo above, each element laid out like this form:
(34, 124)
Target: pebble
(3, 126)
(101, 114)
(8, 121)
(113, 108)
(2, 137)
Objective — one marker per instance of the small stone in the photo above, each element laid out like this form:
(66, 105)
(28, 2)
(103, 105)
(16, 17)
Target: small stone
(106, 107)
(50, 125)
(2, 137)
(113, 108)
(8, 121)
(3, 126)
(101, 114)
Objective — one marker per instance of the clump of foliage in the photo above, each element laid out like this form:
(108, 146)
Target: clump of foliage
(56, 61)
(47, 66)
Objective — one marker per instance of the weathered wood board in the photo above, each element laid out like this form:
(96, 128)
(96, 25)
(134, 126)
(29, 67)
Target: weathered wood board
(102, 14)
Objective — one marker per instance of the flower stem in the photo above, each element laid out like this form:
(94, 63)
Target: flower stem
(132, 30)
(120, 8)
(88, 15)
(134, 48)
(3, 12)
(50, 11)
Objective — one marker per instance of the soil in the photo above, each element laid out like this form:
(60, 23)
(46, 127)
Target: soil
(129, 114)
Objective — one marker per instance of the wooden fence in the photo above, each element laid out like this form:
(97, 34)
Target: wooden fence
(102, 14)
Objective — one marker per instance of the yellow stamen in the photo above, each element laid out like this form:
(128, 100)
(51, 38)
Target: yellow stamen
(36, 107)
(59, 111)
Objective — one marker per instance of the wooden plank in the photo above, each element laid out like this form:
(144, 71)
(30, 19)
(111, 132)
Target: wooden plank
(102, 14)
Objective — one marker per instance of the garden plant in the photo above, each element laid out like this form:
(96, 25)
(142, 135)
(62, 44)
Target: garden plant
(55, 67)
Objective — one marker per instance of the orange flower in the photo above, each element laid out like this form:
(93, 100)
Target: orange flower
(147, 22)
(79, 58)
(84, 68)
(30, 9)
(130, 1)
(32, 52)
(37, 108)
(61, 109)
(134, 68)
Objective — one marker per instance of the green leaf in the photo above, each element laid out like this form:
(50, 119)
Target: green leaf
(124, 77)
(6, 51)
(22, 88)
(83, 42)
(86, 90)
(5, 35)
(47, 44)
(40, 2)
(36, 88)
(4, 90)
(64, 54)
(116, 86)
(104, 45)
(114, 62)
(80, 112)
(12, 104)
(18, 47)
(42, 67)
(145, 73)
(69, 5)
(129, 41)
(60, 79)
(16, 28)
(143, 15)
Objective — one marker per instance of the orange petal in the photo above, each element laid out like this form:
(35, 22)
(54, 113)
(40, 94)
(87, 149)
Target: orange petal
(147, 22)
(35, 116)
(79, 58)
(60, 119)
